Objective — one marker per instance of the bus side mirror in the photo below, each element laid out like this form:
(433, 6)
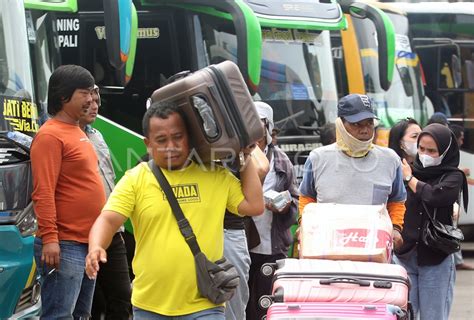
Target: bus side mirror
(118, 26)
(406, 80)
(385, 37)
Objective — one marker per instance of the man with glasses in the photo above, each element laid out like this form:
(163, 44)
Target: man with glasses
(112, 293)
(67, 197)
(353, 170)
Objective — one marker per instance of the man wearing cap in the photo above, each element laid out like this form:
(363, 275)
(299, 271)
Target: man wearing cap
(273, 226)
(353, 170)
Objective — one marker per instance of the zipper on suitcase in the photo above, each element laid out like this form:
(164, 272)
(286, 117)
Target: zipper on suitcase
(220, 81)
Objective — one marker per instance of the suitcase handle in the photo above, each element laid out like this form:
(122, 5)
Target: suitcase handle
(179, 75)
(362, 283)
(225, 116)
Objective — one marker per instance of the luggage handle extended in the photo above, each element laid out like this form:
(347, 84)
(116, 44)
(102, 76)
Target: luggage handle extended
(362, 283)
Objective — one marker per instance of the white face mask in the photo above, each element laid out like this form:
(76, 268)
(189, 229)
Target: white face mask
(410, 148)
(429, 161)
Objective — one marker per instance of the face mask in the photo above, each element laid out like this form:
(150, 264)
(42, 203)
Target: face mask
(410, 148)
(349, 144)
(429, 161)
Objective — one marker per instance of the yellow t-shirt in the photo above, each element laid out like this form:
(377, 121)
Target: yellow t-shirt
(165, 276)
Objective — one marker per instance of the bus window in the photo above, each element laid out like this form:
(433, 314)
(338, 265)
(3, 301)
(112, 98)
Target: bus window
(157, 59)
(339, 64)
(404, 98)
(219, 39)
(45, 54)
(16, 82)
(297, 76)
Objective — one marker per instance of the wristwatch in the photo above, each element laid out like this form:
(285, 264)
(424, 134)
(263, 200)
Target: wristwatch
(408, 178)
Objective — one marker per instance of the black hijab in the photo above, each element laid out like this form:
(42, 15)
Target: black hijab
(447, 145)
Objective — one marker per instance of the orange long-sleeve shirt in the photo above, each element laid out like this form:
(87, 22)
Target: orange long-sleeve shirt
(68, 193)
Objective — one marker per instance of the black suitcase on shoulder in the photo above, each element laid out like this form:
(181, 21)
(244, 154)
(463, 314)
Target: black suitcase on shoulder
(220, 113)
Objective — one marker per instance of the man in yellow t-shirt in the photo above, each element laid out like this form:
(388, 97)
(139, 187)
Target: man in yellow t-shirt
(165, 282)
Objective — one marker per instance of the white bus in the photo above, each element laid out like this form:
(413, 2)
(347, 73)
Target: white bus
(443, 36)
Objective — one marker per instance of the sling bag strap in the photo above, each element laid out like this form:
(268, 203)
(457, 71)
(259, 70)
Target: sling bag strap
(432, 218)
(435, 210)
(183, 223)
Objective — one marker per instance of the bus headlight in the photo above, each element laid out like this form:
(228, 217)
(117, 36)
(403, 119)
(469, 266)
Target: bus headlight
(26, 221)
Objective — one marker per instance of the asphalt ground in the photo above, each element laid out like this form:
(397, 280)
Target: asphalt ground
(463, 303)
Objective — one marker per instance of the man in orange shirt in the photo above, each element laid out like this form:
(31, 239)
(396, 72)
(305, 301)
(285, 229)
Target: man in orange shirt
(68, 196)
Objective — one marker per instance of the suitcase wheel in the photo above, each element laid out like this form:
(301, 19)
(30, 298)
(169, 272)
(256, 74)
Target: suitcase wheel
(265, 302)
(398, 312)
(404, 315)
(268, 269)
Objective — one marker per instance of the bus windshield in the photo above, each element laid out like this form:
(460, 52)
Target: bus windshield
(297, 80)
(16, 85)
(15, 67)
(405, 97)
(297, 76)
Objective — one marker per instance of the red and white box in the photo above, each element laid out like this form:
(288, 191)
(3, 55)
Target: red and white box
(346, 232)
(324, 311)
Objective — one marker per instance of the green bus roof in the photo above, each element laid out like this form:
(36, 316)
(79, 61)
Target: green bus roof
(62, 5)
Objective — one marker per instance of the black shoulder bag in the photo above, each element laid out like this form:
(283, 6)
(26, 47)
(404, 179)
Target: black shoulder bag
(439, 236)
(217, 281)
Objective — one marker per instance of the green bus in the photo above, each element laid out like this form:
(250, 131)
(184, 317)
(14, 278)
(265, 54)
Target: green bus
(28, 56)
(282, 48)
(356, 59)
(443, 37)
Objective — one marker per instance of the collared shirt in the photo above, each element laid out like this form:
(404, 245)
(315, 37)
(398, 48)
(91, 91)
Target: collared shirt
(281, 177)
(105, 161)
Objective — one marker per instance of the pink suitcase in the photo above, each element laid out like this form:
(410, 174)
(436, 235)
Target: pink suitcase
(324, 311)
(312, 280)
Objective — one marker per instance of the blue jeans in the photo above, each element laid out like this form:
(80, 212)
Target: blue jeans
(66, 292)
(209, 314)
(236, 251)
(431, 287)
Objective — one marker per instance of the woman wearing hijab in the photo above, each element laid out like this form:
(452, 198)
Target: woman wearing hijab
(436, 181)
(403, 139)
